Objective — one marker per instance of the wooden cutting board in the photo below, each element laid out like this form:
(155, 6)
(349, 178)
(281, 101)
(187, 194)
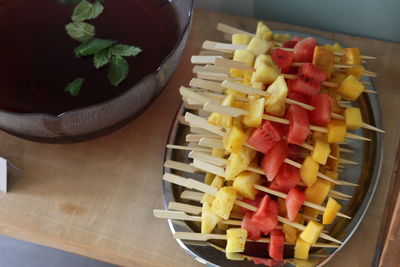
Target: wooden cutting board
(96, 198)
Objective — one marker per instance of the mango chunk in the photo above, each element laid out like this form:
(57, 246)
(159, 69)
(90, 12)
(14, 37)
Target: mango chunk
(357, 71)
(312, 232)
(259, 46)
(244, 184)
(236, 240)
(208, 219)
(332, 209)
(336, 131)
(223, 203)
(318, 192)
(351, 88)
(351, 55)
(353, 118)
(301, 249)
(241, 39)
(309, 171)
(321, 151)
(332, 163)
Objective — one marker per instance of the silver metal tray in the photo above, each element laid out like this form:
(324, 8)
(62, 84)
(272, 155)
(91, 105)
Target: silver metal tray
(368, 154)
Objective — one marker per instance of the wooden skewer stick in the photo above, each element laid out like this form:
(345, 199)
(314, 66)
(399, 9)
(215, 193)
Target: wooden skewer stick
(364, 125)
(200, 149)
(231, 30)
(191, 195)
(193, 184)
(184, 208)
(205, 237)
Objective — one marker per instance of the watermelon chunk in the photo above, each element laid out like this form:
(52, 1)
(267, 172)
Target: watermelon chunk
(301, 86)
(264, 137)
(266, 216)
(304, 50)
(256, 202)
(274, 159)
(253, 232)
(266, 262)
(297, 38)
(289, 44)
(321, 115)
(299, 97)
(288, 177)
(309, 72)
(284, 59)
(275, 249)
(294, 201)
(299, 126)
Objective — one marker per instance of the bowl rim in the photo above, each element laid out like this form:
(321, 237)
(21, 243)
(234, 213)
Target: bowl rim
(123, 94)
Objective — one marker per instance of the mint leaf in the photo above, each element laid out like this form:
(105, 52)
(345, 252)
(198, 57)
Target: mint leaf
(69, 2)
(80, 31)
(75, 86)
(93, 46)
(86, 10)
(102, 58)
(118, 70)
(125, 50)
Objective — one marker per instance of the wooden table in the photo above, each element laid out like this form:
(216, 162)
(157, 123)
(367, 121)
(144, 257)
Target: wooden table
(96, 198)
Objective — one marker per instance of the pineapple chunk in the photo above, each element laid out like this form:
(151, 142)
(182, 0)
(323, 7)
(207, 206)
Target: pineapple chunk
(218, 183)
(332, 208)
(263, 31)
(219, 153)
(309, 171)
(259, 86)
(282, 37)
(276, 101)
(321, 151)
(351, 88)
(244, 184)
(256, 112)
(234, 139)
(208, 219)
(265, 74)
(266, 59)
(234, 93)
(301, 249)
(312, 232)
(259, 46)
(336, 131)
(241, 39)
(235, 256)
(223, 203)
(222, 226)
(236, 240)
(238, 162)
(222, 120)
(353, 118)
(208, 178)
(245, 56)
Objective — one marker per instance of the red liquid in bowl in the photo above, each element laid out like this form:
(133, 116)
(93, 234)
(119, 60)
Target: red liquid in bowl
(37, 60)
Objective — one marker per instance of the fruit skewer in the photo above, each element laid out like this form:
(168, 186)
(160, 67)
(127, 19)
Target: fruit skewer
(232, 30)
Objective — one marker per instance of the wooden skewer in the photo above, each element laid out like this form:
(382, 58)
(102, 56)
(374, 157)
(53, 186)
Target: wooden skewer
(200, 149)
(205, 237)
(191, 195)
(184, 208)
(231, 30)
(193, 184)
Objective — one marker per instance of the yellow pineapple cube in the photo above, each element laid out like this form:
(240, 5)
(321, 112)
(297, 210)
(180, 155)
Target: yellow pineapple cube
(309, 171)
(223, 203)
(353, 118)
(259, 46)
(332, 209)
(301, 249)
(222, 226)
(256, 112)
(336, 131)
(234, 139)
(265, 74)
(263, 31)
(351, 88)
(245, 56)
(235, 94)
(241, 39)
(321, 151)
(312, 232)
(236, 240)
(208, 178)
(263, 59)
(244, 184)
(235, 256)
(217, 152)
(282, 37)
(259, 86)
(208, 219)
(238, 162)
(222, 120)
(275, 103)
(218, 183)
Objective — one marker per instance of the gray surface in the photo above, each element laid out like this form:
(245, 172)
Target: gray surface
(15, 253)
(369, 18)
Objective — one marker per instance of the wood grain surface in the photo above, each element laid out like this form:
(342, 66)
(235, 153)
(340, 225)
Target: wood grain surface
(96, 198)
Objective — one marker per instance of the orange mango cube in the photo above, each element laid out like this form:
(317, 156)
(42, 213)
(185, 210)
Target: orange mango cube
(331, 210)
(309, 171)
(336, 131)
(321, 151)
(351, 88)
(353, 118)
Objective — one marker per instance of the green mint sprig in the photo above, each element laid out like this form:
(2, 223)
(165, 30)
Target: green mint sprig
(104, 51)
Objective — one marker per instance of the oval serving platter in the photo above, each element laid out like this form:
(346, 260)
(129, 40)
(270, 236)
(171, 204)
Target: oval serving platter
(366, 174)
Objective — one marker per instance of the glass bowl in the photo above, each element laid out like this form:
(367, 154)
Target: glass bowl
(96, 120)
